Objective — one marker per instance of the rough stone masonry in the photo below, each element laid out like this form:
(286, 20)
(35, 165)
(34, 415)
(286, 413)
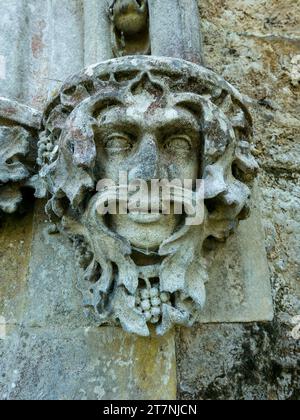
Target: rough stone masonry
(256, 46)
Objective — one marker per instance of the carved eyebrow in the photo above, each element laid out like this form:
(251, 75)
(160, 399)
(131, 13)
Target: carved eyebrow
(179, 119)
(119, 115)
(119, 121)
(179, 123)
(120, 126)
(104, 105)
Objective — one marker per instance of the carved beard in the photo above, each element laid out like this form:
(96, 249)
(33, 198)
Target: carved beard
(110, 281)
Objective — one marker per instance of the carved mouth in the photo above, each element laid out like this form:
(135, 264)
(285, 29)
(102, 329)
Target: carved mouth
(144, 217)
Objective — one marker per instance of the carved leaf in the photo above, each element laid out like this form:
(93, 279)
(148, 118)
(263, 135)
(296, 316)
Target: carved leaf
(74, 182)
(131, 320)
(38, 185)
(170, 317)
(20, 114)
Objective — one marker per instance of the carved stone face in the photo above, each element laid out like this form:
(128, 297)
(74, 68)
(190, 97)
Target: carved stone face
(18, 131)
(147, 142)
(153, 118)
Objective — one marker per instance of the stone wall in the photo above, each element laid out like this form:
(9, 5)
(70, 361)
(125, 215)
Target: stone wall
(255, 44)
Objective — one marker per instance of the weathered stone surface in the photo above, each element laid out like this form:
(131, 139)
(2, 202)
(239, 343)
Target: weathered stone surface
(21, 114)
(15, 246)
(8, 349)
(255, 45)
(97, 34)
(18, 148)
(175, 29)
(238, 362)
(59, 363)
(51, 295)
(239, 289)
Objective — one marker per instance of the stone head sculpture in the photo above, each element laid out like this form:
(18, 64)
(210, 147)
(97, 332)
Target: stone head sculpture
(19, 126)
(151, 119)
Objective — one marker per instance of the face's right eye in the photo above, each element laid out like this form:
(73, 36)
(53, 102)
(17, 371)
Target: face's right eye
(179, 143)
(117, 143)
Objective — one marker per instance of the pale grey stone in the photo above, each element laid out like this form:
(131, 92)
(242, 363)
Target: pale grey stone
(20, 114)
(97, 35)
(239, 288)
(57, 362)
(77, 157)
(51, 295)
(18, 144)
(175, 29)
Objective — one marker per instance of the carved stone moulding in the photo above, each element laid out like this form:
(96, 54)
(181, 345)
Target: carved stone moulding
(19, 127)
(153, 118)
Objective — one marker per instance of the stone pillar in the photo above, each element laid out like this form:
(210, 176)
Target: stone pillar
(175, 29)
(13, 49)
(67, 41)
(97, 42)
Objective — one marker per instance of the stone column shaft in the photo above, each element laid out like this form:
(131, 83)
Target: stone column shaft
(175, 29)
(97, 39)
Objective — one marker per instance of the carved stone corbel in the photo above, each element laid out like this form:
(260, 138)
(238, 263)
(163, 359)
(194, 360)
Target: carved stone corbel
(19, 127)
(153, 118)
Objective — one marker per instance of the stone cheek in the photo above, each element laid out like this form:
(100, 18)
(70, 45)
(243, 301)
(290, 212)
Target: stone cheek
(174, 119)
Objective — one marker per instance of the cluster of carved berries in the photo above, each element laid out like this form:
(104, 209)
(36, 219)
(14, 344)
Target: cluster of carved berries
(82, 253)
(45, 150)
(150, 301)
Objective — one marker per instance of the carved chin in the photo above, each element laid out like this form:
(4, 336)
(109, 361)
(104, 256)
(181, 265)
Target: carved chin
(144, 231)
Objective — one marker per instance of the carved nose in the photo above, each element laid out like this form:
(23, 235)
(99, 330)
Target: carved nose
(147, 161)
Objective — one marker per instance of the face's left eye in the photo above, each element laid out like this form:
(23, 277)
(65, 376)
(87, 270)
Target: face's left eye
(179, 143)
